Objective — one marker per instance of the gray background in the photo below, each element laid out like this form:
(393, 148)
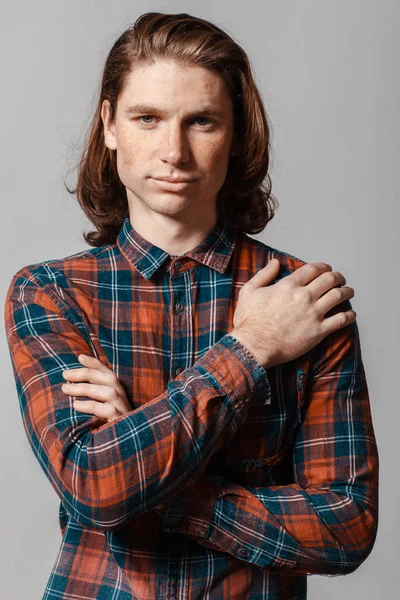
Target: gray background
(328, 73)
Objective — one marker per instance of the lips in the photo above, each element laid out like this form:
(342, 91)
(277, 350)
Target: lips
(174, 186)
(173, 180)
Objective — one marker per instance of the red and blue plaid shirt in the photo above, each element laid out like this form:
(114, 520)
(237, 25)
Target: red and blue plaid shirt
(267, 475)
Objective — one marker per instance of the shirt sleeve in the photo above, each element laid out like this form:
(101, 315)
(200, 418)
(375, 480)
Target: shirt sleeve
(325, 522)
(107, 473)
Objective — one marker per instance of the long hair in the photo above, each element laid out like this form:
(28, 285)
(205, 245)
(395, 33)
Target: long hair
(245, 199)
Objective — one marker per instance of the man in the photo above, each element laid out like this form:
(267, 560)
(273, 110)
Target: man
(224, 447)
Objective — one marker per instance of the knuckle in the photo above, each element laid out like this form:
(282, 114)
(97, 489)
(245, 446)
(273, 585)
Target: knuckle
(347, 292)
(304, 291)
(288, 282)
(320, 264)
(337, 294)
(113, 395)
(110, 410)
(332, 277)
(315, 266)
(113, 379)
(106, 410)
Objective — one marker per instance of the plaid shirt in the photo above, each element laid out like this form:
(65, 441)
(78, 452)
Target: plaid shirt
(266, 475)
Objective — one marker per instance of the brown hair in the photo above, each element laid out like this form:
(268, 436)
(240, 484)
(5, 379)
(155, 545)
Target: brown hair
(245, 199)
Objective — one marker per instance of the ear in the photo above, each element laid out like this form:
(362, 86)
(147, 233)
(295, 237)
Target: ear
(108, 126)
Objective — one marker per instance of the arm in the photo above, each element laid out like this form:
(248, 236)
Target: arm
(105, 474)
(326, 521)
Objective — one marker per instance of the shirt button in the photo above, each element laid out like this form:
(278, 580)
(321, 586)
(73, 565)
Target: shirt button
(178, 370)
(179, 306)
(243, 552)
(178, 264)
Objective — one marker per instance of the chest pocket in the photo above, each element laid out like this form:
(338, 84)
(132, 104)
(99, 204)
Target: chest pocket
(263, 440)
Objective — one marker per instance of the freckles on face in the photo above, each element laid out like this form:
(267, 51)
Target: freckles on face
(211, 153)
(133, 155)
(216, 156)
(139, 151)
(164, 136)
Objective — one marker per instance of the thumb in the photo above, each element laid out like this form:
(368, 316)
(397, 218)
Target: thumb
(265, 275)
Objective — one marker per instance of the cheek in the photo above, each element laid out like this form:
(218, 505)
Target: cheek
(131, 148)
(130, 155)
(219, 161)
(214, 154)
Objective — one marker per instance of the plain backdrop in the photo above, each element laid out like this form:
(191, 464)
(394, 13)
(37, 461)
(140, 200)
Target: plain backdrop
(328, 74)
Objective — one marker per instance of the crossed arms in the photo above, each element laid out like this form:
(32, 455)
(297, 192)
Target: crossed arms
(107, 474)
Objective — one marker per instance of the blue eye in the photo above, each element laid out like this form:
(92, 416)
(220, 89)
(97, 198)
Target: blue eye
(195, 119)
(144, 117)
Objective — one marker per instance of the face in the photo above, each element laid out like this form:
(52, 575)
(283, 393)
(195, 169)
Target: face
(171, 136)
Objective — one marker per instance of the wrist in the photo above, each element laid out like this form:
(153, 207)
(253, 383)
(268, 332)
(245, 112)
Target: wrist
(261, 354)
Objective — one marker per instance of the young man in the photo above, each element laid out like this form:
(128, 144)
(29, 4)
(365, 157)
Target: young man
(216, 441)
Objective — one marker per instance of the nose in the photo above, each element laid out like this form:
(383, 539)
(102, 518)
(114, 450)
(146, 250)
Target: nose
(174, 147)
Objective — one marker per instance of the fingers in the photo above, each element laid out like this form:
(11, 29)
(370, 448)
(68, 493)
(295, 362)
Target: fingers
(92, 361)
(95, 372)
(100, 383)
(106, 403)
(333, 298)
(264, 275)
(326, 282)
(338, 321)
(104, 411)
(308, 272)
(97, 392)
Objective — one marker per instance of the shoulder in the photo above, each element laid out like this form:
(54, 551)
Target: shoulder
(59, 270)
(70, 282)
(263, 253)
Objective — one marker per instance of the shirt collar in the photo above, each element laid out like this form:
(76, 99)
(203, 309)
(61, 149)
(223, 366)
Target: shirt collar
(214, 251)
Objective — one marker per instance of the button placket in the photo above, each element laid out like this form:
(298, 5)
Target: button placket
(178, 309)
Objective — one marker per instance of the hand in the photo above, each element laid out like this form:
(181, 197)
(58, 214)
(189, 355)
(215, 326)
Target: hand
(282, 321)
(109, 398)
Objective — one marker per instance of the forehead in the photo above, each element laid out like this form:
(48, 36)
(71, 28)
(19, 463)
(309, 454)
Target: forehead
(166, 81)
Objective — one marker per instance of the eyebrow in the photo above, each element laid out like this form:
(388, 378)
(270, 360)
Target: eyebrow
(148, 109)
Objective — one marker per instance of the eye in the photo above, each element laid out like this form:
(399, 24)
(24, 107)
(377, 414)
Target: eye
(200, 118)
(204, 119)
(143, 117)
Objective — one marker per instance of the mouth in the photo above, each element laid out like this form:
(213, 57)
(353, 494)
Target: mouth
(173, 186)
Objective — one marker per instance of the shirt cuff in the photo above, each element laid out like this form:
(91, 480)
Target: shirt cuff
(237, 371)
(196, 513)
(191, 512)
